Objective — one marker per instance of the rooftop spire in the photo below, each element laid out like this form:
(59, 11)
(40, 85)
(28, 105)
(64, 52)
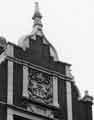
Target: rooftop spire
(37, 12)
(37, 15)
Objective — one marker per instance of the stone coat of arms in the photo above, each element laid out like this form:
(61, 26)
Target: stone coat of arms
(40, 87)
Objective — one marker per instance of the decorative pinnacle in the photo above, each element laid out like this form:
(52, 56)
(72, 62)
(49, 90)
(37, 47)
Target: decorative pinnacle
(86, 93)
(37, 13)
(87, 97)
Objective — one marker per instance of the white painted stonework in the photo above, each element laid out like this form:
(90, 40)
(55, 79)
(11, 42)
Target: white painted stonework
(10, 83)
(69, 100)
(9, 114)
(68, 71)
(55, 91)
(10, 50)
(25, 81)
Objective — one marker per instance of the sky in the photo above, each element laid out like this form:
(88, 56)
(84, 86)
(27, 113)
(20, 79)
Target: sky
(67, 24)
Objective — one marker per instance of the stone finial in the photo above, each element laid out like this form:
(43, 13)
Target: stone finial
(87, 97)
(37, 12)
(37, 15)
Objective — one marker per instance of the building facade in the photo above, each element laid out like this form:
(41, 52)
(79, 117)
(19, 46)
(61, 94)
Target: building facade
(34, 84)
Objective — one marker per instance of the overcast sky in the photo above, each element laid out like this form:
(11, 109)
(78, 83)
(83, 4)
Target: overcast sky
(68, 25)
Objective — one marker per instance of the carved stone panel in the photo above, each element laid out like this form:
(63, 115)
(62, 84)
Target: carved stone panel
(40, 87)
